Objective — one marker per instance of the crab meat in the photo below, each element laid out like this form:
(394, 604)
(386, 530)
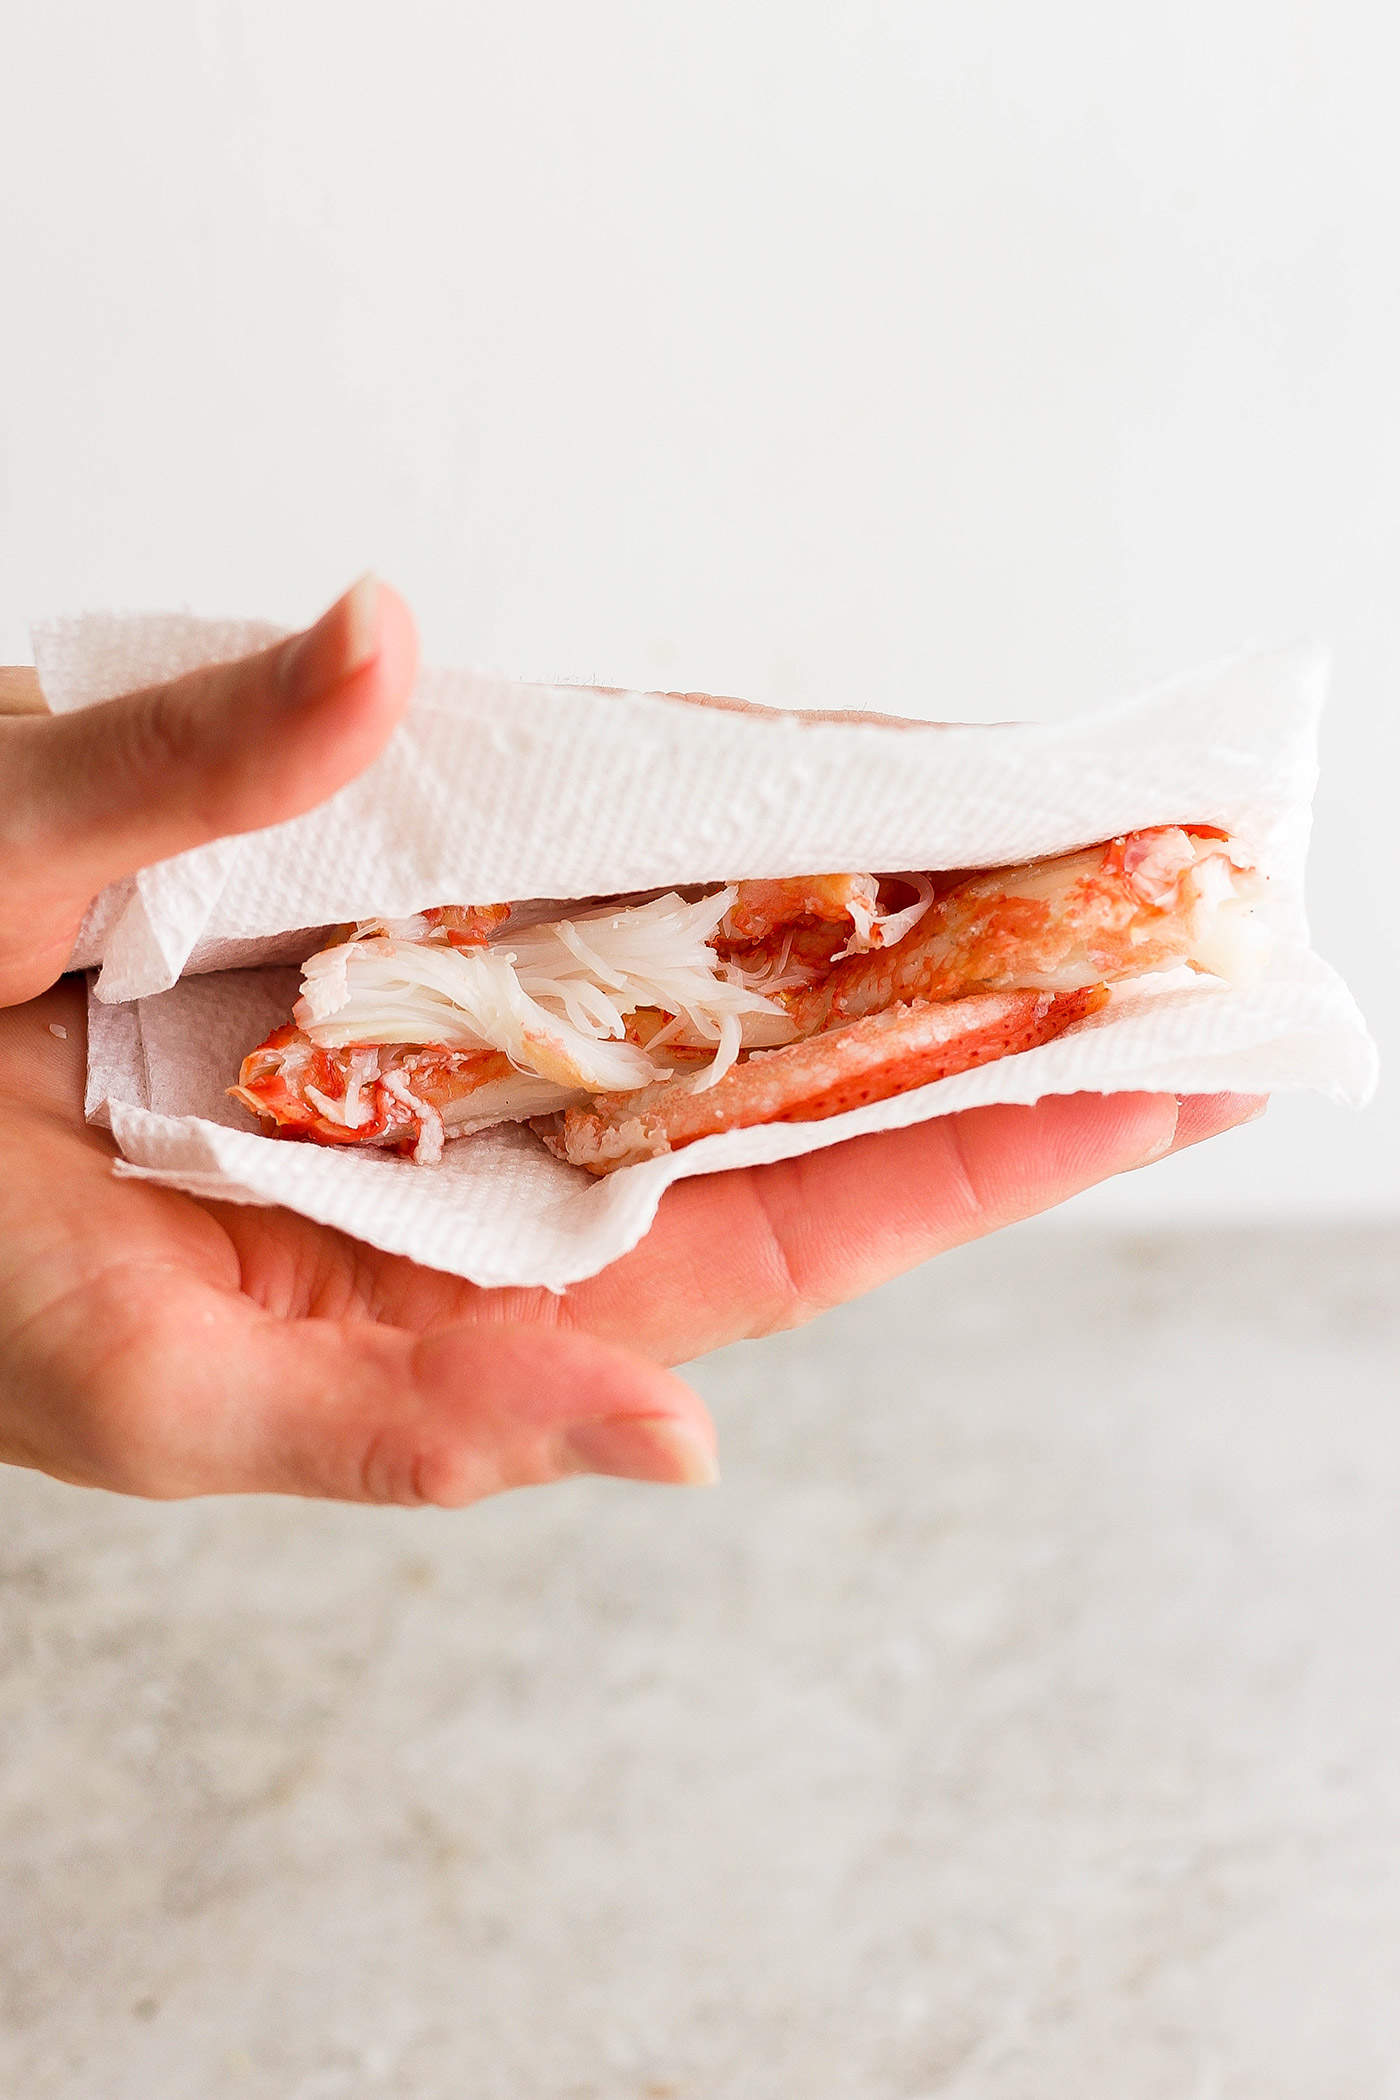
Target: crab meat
(887, 1053)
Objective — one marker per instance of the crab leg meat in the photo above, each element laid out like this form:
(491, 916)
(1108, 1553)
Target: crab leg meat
(886, 1053)
(640, 1025)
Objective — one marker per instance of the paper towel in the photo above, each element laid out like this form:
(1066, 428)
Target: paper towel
(493, 790)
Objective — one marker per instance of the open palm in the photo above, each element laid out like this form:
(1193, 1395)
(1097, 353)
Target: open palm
(164, 1346)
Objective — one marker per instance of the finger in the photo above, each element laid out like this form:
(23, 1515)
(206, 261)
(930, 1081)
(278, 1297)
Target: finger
(708, 1273)
(467, 1412)
(1203, 1116)
(734, 1255)
(43, 1051)
(199, 1393)
(19, 692)
(229, 748)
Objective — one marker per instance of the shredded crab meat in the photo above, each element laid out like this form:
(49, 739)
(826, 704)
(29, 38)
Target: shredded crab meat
(363, 1070)
(428, 1150)
(326, 1105)
(877, 929)
(555, 998)
(413, 1031)
(452, 925)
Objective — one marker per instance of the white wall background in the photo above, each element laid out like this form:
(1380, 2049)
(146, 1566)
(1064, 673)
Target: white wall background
(998, 358)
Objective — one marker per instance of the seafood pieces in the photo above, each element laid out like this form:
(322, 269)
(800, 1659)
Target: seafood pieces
(886, 1053)
(638, 1026)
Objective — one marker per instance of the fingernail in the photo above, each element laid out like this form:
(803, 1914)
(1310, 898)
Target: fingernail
(343, 641)
(1164, 1137)
(1210, 1115)
(643, 1447)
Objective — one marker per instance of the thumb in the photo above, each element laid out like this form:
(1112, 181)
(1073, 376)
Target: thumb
(231, 747)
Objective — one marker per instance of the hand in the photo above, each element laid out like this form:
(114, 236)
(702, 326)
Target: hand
(161, 1346)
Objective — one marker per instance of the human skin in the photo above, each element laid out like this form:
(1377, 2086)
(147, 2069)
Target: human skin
(163, 1346)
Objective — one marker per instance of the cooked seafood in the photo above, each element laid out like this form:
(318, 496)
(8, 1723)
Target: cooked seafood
(1139, 903)
(886, 1053)
(414, 1097)
(634, 1027)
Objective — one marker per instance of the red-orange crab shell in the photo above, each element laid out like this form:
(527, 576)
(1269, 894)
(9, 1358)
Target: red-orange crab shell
(761, 908)
(468, 925)
(1108, 912)
(887, 1053)
(361, 1094)
(273, 1078)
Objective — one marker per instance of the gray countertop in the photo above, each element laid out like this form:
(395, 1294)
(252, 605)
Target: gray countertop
(1020, 1719)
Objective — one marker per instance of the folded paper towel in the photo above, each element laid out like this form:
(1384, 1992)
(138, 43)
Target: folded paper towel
(493, 790)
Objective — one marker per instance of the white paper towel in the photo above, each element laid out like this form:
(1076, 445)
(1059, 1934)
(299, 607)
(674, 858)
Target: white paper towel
(493, 790)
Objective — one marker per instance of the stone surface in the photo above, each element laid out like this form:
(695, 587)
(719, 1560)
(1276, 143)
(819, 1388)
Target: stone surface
(1021, 1718)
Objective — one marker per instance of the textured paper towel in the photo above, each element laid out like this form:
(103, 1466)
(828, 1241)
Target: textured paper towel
(497, 790)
